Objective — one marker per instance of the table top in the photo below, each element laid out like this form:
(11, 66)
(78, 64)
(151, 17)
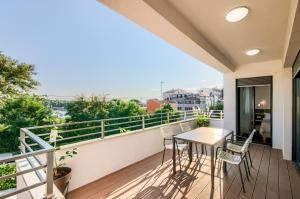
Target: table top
(204, 135)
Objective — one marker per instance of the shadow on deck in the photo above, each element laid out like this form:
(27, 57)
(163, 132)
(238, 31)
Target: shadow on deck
(271, 177)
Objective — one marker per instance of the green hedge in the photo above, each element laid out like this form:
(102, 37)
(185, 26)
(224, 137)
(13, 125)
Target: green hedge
(9, 183)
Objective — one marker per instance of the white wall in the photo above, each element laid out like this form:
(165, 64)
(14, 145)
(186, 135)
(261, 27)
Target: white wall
(217, 123)
(282, 99)
(99, 158)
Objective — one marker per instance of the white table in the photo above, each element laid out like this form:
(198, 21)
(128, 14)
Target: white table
(204, 135)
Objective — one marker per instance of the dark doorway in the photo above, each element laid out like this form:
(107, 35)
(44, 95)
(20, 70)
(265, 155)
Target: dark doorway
(254, 108)
(296, 111)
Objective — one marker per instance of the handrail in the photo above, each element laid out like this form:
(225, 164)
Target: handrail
(26, 153)
(113, 125)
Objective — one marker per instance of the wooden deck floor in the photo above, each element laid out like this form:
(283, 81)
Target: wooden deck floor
(271, 178)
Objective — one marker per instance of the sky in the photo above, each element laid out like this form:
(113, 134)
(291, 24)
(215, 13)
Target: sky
(81, 47)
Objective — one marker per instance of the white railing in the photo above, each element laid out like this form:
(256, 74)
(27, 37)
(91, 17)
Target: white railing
(99, 129)
(26, 152)
(214, 114)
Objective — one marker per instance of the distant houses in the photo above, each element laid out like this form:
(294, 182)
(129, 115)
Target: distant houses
(183, 100)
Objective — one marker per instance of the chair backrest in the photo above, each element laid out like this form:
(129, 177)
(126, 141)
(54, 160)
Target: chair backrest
(170, 130)
(251, 135)
(186, 126)
(245, 146)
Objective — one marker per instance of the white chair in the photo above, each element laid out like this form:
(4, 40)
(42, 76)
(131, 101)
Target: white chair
(188, 126)
(167, 133)
(235, 159)
(236, 146)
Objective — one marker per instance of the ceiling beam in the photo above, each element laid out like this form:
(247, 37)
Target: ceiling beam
(292, 42)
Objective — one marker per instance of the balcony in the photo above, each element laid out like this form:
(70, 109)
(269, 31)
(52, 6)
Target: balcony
(104, 146)
(117, 163)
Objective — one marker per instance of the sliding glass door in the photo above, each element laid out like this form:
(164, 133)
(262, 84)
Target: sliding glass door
(254, 108)
(296, 120)
(296, 111)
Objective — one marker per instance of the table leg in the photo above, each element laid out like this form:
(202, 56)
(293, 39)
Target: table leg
(212, 163)
(173, 156)
(190, 152)
(224, 147)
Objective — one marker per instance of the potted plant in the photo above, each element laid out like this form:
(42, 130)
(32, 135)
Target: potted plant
(202, 121)
(61, 173)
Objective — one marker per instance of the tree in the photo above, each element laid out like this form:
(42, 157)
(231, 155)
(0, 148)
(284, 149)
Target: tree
(15, 77)
(18, 112)
(83, 109)
(166, 108)
(95, 108)
(120, 108)
(217, 106)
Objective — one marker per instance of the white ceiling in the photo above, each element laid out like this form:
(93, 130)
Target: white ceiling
(199, 28)
(264, 28)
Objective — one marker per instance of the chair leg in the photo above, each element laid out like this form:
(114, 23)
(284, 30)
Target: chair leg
(248, 165)
(163, 156)
(197, 150)
(246, 169)
(241, 178)
(178, 152)
(179, 158)
(220, 167)
(250, 159)
(216, 160)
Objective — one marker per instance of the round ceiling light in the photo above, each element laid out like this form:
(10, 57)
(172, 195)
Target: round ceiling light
(237, 14)
(252, 52)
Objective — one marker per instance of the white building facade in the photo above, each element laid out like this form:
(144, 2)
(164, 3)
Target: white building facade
(192, 101)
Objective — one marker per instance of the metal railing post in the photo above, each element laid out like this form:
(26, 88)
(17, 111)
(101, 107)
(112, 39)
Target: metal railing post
(184, 115)
(168, 117)
(221, 114)
(22, 138)
(143, 122)
(49, 174)
(102, 129)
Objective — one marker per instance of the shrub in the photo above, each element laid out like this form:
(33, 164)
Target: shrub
(202, 121)
(9, 183)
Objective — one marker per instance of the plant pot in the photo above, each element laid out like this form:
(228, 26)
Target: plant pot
(62, 179)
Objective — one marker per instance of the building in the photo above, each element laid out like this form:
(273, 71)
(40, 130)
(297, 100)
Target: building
(153, 105)
(214, 95)
(194, 101)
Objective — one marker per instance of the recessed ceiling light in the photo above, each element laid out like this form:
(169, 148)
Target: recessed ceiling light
(252, 52)
(237, 14)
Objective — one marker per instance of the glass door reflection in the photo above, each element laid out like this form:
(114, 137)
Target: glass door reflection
(255, 109)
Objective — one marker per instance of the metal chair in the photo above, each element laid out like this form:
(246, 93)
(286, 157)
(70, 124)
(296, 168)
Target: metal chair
(236, 145)
(167, 133)
(235, 159)
(187, 126)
